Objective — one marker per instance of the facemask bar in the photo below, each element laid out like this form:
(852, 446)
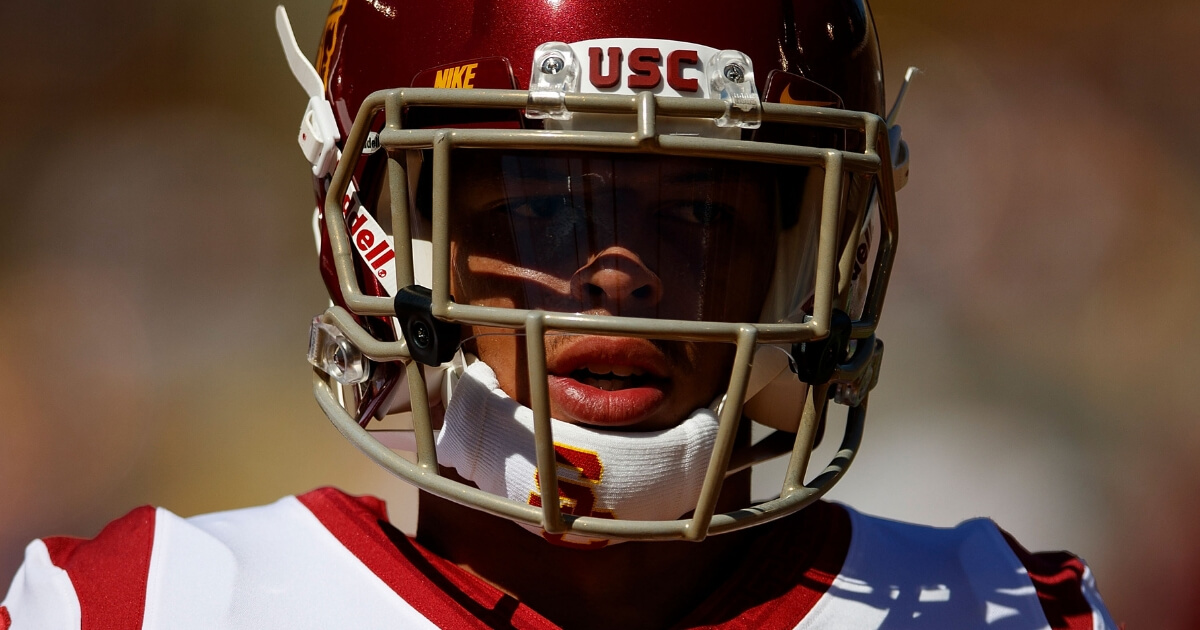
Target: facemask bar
(646, 109)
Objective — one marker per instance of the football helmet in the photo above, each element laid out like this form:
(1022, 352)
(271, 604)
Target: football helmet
(476, 163)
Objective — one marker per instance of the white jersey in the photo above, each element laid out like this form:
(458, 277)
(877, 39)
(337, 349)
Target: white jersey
(329, 560)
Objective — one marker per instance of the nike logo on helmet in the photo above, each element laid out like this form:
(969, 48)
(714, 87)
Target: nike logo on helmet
(785, 97)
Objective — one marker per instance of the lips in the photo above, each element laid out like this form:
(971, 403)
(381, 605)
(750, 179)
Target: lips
(607, 381)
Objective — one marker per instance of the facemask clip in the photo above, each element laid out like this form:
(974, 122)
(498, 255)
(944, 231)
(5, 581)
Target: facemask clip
(330, 351)
(731, 75)
(555, 73)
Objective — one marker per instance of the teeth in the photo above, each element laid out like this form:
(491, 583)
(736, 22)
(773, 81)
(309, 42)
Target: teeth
(616, 370)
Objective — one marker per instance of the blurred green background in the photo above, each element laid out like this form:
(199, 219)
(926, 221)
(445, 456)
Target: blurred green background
(157, 277)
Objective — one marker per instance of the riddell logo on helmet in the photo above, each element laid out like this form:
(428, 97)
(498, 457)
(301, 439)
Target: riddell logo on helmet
(626, 66)
(372, 243)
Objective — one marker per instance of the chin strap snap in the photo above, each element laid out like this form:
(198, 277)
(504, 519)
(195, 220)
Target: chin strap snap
(430, 340)
(815, 361)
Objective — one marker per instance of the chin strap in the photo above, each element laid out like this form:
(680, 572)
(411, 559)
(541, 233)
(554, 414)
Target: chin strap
(652, 475)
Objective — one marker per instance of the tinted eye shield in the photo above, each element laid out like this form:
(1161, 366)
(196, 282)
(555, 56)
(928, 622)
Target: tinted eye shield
(645, 107)
(665, 237)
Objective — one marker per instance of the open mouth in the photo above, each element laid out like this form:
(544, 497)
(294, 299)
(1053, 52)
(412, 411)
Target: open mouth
(608, 381)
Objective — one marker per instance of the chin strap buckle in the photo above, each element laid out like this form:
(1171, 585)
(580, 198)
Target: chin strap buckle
(852, 393)
(430, 340)
(816, 361)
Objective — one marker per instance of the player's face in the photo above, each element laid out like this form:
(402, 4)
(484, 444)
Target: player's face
(636, 236)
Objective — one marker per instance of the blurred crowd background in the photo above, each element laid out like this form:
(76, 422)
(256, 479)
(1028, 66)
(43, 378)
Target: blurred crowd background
(157, 279)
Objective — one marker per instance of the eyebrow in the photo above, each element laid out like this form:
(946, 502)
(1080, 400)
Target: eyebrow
(556, 168)
(533, 166)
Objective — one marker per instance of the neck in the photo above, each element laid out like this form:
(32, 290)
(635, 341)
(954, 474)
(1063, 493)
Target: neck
(634, 584)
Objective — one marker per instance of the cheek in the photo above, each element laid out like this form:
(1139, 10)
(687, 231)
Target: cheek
(705, 374)
(731, 287)
(737, 289)
(498, 348)
(476, 280)
(481, 279)
(713, 362)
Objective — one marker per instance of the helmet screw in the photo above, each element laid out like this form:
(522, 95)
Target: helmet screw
(421, 335)
(735, 73)
(341, 355)
(552, 64)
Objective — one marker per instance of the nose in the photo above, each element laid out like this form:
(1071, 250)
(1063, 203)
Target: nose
(616, 278)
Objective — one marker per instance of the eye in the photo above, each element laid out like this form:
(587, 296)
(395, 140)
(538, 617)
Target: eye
(541, 208)
(702, 212)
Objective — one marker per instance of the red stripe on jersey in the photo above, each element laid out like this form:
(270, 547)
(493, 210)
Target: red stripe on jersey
(109, 571)
(783, 575)
(441, 591)
(1058, 578)
(5, 619)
